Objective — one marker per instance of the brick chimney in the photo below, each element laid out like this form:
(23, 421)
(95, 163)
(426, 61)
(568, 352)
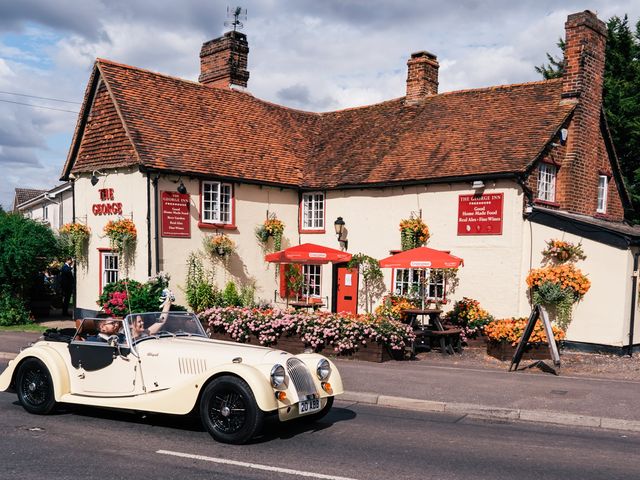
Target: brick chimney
(422, 77)
(584, 57)
(223, 61)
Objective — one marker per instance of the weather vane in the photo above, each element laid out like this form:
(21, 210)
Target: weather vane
(238, 13)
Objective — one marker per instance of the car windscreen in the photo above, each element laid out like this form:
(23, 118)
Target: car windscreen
(159, 324)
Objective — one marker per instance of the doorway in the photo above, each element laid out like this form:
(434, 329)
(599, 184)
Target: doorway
(345, 289)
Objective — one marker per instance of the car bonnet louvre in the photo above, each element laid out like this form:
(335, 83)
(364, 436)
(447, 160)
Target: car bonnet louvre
(191, 366)
(301, 377)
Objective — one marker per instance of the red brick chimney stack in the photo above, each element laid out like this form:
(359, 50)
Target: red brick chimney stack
(584, 57)
(223, 61)
(422, 77)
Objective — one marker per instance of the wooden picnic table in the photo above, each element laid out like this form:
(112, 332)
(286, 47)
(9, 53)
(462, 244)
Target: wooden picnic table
(431, 331)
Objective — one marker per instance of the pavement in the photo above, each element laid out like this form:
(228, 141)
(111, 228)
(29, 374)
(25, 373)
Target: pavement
(525, 395)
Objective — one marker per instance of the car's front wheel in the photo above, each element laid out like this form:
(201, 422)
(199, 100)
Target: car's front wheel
(35, 387)
(229, 411)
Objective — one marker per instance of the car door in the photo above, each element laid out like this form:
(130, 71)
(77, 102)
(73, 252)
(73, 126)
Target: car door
(99, 369)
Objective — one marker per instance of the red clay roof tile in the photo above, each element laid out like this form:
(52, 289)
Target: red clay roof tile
(187, 127)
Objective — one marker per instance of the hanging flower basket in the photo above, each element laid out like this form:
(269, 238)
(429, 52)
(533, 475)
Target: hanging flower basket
(413, 233)
(559, 251)
(219, 245)
(558, 286)
(122, 236)
(77, 235)
(272, 227)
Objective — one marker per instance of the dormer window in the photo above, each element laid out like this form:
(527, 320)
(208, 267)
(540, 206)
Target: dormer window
(603, 186)
(547, 182)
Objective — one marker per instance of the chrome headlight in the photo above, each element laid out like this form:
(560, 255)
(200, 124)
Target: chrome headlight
(277, 375)
(323, 369)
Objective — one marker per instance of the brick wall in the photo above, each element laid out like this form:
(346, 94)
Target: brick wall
(422, 76)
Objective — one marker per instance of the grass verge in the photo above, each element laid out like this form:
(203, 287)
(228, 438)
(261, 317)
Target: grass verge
(30, 327)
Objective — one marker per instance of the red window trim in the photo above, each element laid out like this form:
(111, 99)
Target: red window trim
(324, 213)
(100, 252)
(218, 226)
(546, 202)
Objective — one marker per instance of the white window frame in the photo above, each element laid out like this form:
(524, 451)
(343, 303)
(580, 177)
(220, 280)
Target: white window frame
(313, 211)
(312, 280)
(547, 174)
(111, 260)
(603, 188)
(407, 283)
(45, 212)
(216, 204)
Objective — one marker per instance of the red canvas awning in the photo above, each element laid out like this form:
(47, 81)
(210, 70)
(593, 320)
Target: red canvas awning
(422, 257)
(308, 253)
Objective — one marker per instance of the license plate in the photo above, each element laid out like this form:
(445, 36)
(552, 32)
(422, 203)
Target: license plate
(309, 406)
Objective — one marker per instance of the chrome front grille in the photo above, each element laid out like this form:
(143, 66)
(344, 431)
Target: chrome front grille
(301, 378)
(191, 366)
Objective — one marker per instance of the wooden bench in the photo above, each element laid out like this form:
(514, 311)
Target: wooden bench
(448, 339)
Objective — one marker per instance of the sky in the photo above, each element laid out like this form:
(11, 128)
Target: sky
(315, 55)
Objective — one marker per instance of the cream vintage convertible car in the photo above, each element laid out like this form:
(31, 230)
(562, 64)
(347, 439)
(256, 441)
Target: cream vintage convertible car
(173, 367)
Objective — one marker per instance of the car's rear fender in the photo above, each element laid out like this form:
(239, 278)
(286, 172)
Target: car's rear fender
(259, 384)
(52, 360)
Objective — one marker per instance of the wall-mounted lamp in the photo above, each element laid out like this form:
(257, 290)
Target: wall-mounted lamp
(564, 133)
(341, 233)
(477, 185)
(181, 188)
(94, 177)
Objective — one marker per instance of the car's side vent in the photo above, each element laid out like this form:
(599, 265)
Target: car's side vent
(301, 377)
(191, 366)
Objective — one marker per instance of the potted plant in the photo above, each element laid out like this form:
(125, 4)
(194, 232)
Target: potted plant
(503, 337)
(219, 245)
(271, 228)
(560, 251)
(122, 236)
(470, 316)
(413, 233)
(558, 286)
(76, 235)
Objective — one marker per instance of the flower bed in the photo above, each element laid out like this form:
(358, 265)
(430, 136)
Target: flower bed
(349, 336)
(503, 337)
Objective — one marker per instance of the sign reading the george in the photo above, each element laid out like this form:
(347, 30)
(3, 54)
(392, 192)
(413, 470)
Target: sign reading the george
(175, 215)
(108, 206)
(480, 214)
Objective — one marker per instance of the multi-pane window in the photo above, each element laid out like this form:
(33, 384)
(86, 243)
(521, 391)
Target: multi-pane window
(311, 280)
(109, 267)
(216, 202)
(410, 282)
(547, 182)
(313, 211)
(603, 185)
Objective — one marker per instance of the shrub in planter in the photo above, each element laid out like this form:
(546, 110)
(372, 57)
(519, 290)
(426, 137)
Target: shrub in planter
(318, 330)
(510, 331)
(468, 315)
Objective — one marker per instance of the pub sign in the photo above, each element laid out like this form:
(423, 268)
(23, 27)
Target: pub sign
(480, 214)
(175, 215)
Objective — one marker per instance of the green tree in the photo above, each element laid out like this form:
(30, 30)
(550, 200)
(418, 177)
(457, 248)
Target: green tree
(26, 248)
(621, 98)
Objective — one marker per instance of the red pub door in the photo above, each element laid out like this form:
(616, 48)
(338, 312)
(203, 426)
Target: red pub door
(347, 290)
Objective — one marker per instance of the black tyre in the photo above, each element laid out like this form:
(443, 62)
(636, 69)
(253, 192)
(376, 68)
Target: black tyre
(35, 387)
(229, 410)
(314, 417)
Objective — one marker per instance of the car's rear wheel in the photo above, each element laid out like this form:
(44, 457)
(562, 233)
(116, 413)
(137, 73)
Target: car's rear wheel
(229, 411)
(35, 387)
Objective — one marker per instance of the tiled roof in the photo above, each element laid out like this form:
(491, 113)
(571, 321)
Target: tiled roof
(25, 194)
(184, 126)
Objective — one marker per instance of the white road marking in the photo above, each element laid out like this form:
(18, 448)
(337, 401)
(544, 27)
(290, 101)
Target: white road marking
(255, 466)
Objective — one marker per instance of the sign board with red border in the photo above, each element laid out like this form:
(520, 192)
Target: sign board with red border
(480, 214)
(175, 215)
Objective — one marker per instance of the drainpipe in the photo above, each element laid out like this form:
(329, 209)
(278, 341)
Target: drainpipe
(157, 239)
(632, 317)
(148, 224)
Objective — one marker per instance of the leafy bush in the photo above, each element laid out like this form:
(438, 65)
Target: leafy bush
(230, 296)
(26, 248)
(468, 314)
(200, 291)
(130, 296)
(12, 310)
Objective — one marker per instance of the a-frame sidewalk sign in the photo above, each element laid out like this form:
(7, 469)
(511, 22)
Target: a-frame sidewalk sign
(538, 312)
